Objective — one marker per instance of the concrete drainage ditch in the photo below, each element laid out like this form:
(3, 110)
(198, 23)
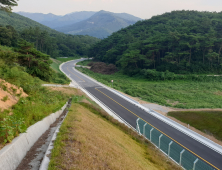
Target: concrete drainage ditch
(27, 151)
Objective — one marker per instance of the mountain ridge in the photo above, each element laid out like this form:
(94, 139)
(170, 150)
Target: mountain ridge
(100, 25)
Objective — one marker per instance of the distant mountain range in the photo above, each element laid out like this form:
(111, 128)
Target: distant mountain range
(39, 17)
(54, 21)
(98, 24)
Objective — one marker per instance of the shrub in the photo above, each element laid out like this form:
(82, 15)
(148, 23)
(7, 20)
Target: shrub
(5, 98)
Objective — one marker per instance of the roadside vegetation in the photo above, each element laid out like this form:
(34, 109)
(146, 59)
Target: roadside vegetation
(26, 68)
(175, 93)
(90, 139)
(62, 59)
(55, 65)
(84, 63)
(208, 122)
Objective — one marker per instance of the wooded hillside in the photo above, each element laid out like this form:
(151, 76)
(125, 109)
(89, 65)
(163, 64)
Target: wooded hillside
(14, 26)
(180, 41)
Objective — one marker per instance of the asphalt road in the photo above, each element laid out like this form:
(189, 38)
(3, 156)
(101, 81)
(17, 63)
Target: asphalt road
(130, 114)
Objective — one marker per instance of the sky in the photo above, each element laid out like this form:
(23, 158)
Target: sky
(144, 9)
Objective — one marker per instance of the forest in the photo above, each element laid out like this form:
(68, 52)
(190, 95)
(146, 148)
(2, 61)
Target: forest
(182, 42)
(55, 45)
(14, 27)
(59, 44)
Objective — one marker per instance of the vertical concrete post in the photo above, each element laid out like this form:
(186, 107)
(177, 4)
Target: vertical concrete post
(137, 125)
(194, 164)
(151, 134)
(144, 129)
(169, 148)
(160, 139)
(181, 154)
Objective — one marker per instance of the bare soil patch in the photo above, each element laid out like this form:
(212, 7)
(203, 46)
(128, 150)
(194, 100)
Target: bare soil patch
(9, 95)
(100, 67)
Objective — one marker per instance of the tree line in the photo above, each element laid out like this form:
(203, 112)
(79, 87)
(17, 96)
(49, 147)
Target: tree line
(55, 45)
(33, 48)
(180, 42)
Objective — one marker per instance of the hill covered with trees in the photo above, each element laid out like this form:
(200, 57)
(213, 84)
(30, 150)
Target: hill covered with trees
(20, 22)
(180, 42)
(45, 39)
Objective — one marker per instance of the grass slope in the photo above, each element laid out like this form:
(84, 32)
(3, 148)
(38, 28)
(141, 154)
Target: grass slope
(207, 121)
(89, 139)
(179, 94)
(55, 65)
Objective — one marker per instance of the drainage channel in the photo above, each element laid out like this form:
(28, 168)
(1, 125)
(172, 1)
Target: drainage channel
(35, 156)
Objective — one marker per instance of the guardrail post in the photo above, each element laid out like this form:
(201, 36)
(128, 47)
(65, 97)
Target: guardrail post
(181, 154)
(144, 129)
(138, 127)
(151, 134)
(169, 148)
(160, 139)
(194, 164)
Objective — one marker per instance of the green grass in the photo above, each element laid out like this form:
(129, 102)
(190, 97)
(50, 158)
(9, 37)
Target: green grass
(207, 121)
(55, 65)
(39, 103)
(67, 59)
(35, 107)
(179, 94)
(84, 63)
(58, 77)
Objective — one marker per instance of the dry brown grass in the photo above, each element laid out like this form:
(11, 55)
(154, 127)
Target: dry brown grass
(67, 90)
(90, 141)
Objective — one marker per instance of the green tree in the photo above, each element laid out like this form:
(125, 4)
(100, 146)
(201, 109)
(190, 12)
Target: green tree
(36, 63)
(6, 5)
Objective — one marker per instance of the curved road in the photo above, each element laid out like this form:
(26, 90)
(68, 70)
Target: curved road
(130, 113)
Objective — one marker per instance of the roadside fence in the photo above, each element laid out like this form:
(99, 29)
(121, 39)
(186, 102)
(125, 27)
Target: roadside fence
(174, 151)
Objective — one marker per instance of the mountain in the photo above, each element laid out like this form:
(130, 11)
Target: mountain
(100, 25)
(182, 42)
(20, 22)
(45, 39)
(53, 21)
(68, 19)
(39, 17)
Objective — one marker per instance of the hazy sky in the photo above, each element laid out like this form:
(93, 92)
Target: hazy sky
(140, 8)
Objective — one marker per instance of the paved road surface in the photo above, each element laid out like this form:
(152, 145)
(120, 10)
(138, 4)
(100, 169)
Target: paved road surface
(130, 113)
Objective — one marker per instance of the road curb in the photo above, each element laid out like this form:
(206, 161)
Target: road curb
(12, 154)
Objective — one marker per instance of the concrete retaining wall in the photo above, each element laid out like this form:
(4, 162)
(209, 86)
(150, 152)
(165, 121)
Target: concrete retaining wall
(12, 154)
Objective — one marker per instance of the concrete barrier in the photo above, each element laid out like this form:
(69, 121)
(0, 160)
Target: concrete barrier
(12, 154)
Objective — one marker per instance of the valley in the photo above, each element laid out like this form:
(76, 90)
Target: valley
(162, 74)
